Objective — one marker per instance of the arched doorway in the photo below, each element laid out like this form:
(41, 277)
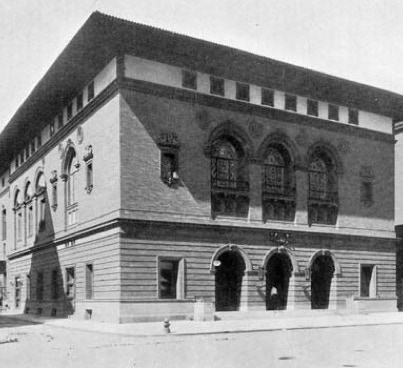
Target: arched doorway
(228, 281)
(278, 273)
(322, 271)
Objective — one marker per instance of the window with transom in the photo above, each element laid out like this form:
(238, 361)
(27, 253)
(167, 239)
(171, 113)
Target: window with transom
(229, 179)
(323, 196)
(278, 185)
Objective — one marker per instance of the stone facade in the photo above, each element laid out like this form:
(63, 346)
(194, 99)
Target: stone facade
(167, 186)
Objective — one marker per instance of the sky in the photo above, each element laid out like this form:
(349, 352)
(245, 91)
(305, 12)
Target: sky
(360, 40)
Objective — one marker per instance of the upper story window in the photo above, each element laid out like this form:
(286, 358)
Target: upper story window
(242, 91)
(33, 148)
(52, 128)
(216, 86)
(333, 112)
(353, 116)
(69, 110)
(4, 224)
(39, 140)
(28, 195)
(290, 102)
(229, 179)
(323, 196)
(189, 79)
(90, 91)
(70, 169)
(60, 120)
(79, 101)
(40, 190)
(278, 185)
(312, 107)
(267, 97)
(18, 215)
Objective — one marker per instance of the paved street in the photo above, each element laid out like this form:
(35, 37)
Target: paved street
(24, 344)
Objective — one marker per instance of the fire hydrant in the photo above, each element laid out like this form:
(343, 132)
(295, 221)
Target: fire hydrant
(167, 325)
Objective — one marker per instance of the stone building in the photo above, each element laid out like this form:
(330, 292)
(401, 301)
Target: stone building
(149, 172)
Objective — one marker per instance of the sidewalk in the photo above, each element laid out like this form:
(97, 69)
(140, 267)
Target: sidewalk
(218, 327)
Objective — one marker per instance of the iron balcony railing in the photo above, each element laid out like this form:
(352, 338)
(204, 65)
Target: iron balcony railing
(323, 196)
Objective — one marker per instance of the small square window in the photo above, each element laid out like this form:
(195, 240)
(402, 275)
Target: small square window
(60, 120)
(368, 287)
(290, 102)
(333, 112)
(91, 91)
(69, 111)
(189, 79)
(79, 102)
(267, 97)
(217, 86)
(312, 107)
(242, 91)
(353, 116)
(52, 128)
(171, 278)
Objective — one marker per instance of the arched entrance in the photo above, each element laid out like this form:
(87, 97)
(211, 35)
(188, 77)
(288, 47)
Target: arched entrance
(322, 271)
(278, 273)
(228, 281)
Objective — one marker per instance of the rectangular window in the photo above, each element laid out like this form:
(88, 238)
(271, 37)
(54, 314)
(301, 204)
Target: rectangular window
(267, 97)
(18, 288)
(353, 116)
(54, 195)
(91, 91)
(52, 128)
(242, 91)
(169, 167)
(366, 192)
(39, 286)
(333, 112)
(79, 102)
(28, 286)
(70, 282)
(33, 147)
(189, 79)
(368, 281)
(22, 158)
(39, 140)
(27, 152)
(290, 102)
(312, 107)
(89, 176)
(30, 220)
(42, 216)
(216, 86)
(171, 278)
(89, 282)
(4, 224)
(55, 284)
(17, 162)
(69, 111)
(60, 120)
(19, 225)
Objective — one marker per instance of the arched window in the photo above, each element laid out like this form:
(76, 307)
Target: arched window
(18, 215)
(278, 185)
(29, 209)
(70, 176)
(229, 178)
(323, 196)
(40, 190)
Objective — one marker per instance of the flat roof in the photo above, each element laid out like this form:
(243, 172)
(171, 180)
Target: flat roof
(103, 37)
